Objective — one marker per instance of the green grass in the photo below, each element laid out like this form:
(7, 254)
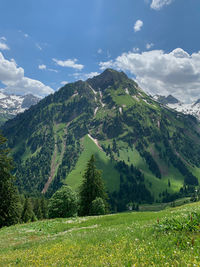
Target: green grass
(126, 239)
(162, 206)
(154, 184)
(109, 173)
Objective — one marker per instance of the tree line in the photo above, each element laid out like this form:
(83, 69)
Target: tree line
(16, 208)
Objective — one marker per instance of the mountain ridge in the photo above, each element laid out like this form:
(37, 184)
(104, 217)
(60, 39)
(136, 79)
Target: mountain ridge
(144, 145)
(173, 103)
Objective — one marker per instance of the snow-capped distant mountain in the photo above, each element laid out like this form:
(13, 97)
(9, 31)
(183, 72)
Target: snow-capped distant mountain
(11, 105)
(14, 104)
(173, 103)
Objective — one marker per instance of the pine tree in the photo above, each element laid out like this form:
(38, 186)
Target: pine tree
(91, 188)
(37, 209)
(28, 214)
(44, 208)
(10, 208)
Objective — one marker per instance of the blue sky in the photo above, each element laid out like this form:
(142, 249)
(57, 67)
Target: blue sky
(46, 43)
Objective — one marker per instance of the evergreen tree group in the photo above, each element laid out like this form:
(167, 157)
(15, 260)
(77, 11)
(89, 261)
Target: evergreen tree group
(10, 208)
(92, 189)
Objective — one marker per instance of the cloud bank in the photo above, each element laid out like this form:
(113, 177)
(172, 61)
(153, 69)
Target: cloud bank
(15, 82)
(157, 72)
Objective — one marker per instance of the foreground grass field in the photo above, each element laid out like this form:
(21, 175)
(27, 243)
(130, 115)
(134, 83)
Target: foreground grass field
(126, 239)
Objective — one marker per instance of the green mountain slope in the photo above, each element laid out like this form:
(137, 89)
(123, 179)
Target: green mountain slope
(74, 179)
(146, 152)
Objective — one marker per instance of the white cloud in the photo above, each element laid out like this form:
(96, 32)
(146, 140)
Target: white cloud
(149, 45)
(138, 25)
(38, 46)
(3, 46)
(64, 82)
(26, 35)
(42, 67)
(91, 75)
(136, 49)
(3, 38)
(157, 72)
(53, 70)
(70, 63)
(15, 82)
(85, 76)
(158, 4)
(99, 51)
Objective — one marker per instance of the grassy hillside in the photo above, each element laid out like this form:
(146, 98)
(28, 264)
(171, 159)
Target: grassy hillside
(103, 162)
(111, 175)
(126, 239)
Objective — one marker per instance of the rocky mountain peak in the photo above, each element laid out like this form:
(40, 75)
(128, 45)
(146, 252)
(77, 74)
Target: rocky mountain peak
(108, 78)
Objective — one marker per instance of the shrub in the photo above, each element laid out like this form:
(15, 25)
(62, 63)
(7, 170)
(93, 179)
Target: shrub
(97, 207)
(63, 203)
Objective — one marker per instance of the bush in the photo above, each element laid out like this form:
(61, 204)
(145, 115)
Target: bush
(97, 207)
(63, 203)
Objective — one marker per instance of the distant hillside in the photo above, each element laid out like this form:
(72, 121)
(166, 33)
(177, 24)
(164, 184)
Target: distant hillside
(147, 152)
(11, 105)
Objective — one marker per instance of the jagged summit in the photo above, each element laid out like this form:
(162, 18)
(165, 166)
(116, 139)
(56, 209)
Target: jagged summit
(173, 103)
(108, 78)
(11, 105)
(170, 99)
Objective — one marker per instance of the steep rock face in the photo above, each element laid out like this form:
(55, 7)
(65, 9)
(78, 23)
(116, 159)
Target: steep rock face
(108, 78)
(29, 100)
(139, 144)
(166, 100)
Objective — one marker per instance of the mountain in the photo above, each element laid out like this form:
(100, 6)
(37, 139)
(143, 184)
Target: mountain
(166, 100)
(173, 103)
(147, 152)
(11, 105)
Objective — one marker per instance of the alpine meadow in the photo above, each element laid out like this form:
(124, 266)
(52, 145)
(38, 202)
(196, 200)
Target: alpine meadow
(99, 133)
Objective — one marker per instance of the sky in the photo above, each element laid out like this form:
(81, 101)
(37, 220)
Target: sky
(45, 44)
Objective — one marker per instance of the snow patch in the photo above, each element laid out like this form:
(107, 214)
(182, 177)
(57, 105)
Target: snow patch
(92, 90)
(2, 95)
(95, 141)
(100, 93)
(190, 109)
(127, 91)
(135, 97)
(95, 112)
(75, 94)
